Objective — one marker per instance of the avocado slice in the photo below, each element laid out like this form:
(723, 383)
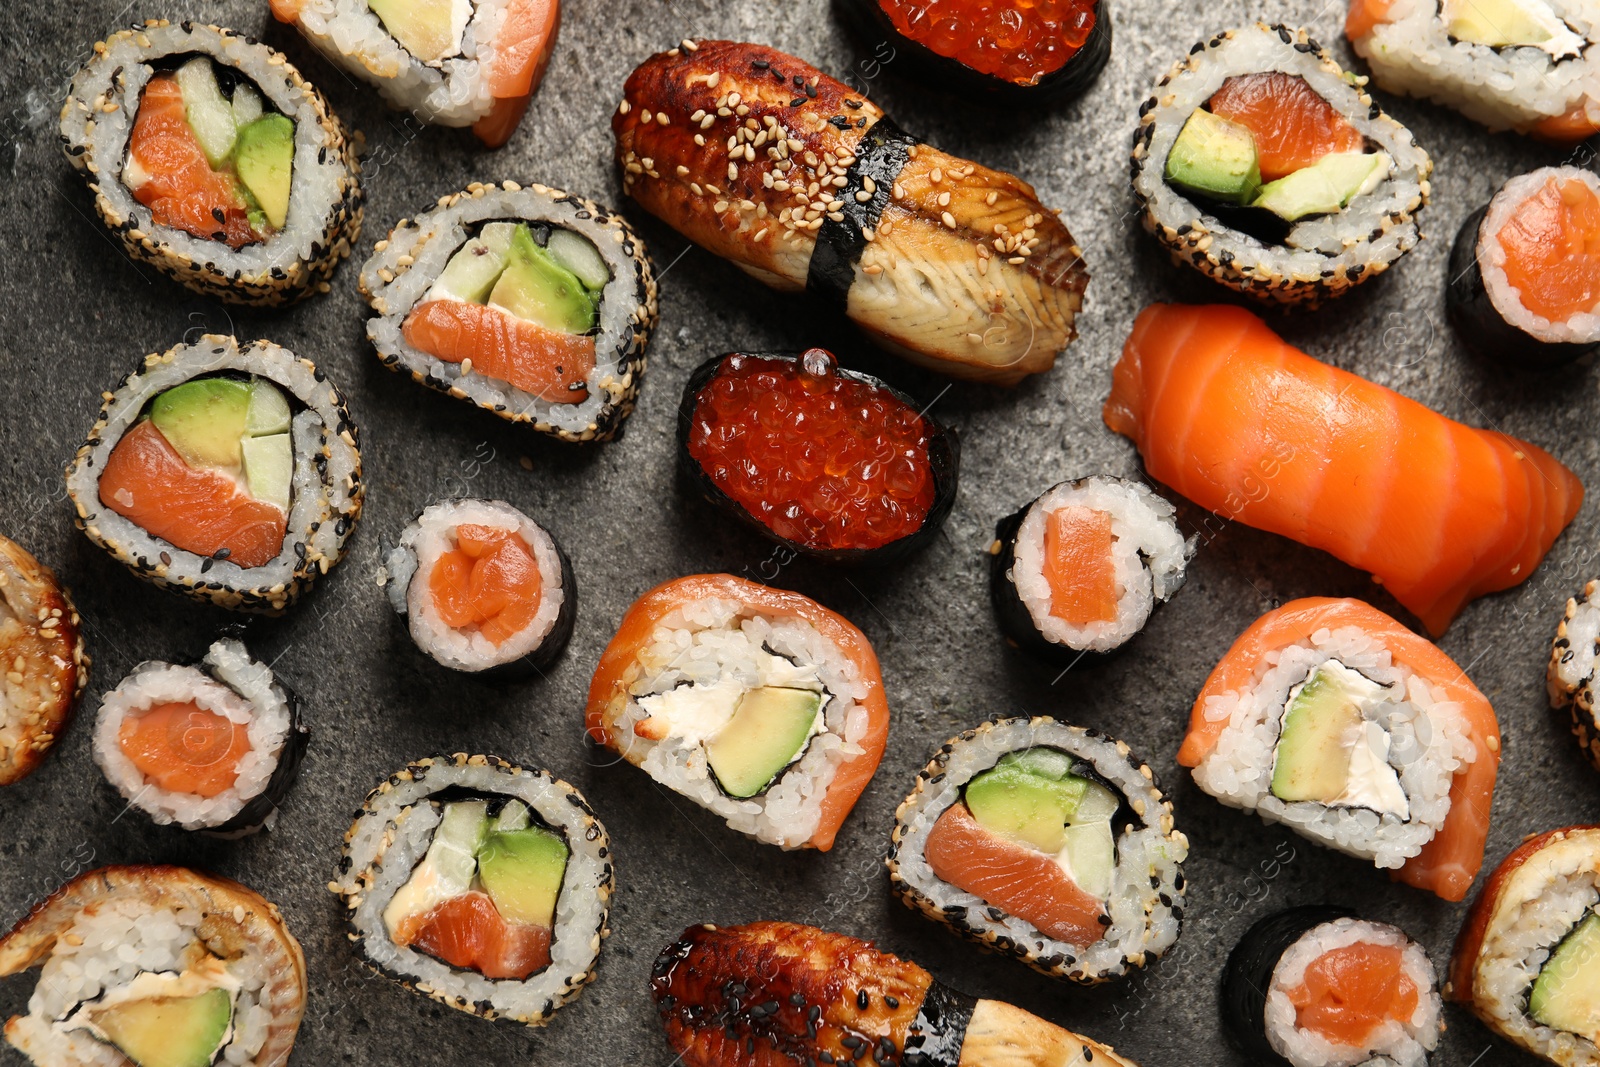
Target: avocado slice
(579, 255)
(476, 266)
(208, 111)
(448, 868)
(268, 468)
(1327, 751)
(767, 731)
(169, 1031)
(1566, 995)
(268, 412)
(425, 28)
(537, 288)
(1324, 187)
(1215, 157)
(264, 158)
(1026, 807)
(522, 871)
(1510, 24)
(203, 419)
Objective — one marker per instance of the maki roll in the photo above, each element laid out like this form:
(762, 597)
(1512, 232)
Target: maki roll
(1524, 65)
(825, 461)
(480, 884)
(802, 183)
(158, 966)
(470, 63)
(1527, 961)
(1265, 166)
(1046, 842)
(1525, 270)
(526, 301)
(1333, 719)
(213, 161)
(772, 992)
(1318, 987)
(211, 747)
(1011, 53)
(483, 588)
(1570, 676)
(41, 644)
(1079, 570)
(758, 704)
(227, 473)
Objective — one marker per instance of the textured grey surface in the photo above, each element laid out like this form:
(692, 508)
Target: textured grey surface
(78, 315)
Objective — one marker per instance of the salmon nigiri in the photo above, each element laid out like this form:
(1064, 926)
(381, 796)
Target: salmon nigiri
(1251, 428)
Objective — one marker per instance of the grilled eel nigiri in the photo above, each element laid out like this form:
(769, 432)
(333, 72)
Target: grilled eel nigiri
(774, 994)
(759, 157)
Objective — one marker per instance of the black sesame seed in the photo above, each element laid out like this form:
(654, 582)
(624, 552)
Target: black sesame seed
(760, 64)
(892, 1001)
(850, 1041)
(863, 1000)
(221, 554)
(797, 101)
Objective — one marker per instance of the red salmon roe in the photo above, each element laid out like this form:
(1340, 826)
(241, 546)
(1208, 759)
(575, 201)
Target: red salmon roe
(820, 459)
(1018, 40)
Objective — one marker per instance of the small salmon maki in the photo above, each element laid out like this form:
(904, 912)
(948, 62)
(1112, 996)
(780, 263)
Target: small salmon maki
(758, 704)
(1252, 429)
(1332, 718)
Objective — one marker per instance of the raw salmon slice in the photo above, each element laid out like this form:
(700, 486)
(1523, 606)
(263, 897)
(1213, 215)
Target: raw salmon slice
(490, 582)
(1019, 880)
(1351, 991)
(1078, 566)
(1552, 246)
(183, 748)
(199, 511)
(1292, 124)
(470, 933)
(522, 51)
(552, 366)
(179, 187)
(1365, 16)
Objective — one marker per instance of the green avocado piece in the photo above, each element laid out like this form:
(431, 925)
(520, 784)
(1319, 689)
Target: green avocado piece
(1313, 759)
(204, 419)
(522, 871)
(1024, 806)
(1566, 995)
(425, 28)
(208, 111)
(767, 731)
(1496, 23)
(537, 288)
(477, 265)
(268, 468)
(268, 412)
(579, 255)
(1324, 187)
(169, 1031)
(1215, 157)
(264, 158)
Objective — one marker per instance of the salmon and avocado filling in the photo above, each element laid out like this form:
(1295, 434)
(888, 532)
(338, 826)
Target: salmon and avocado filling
(1035, 837)
(183, 748)
(484, 896)
(166, 1019)
(519, 303)
(1347, 994)
(1551, 248)
(1508, 24)
(488, 584)
(1566, 994)
(1331, 748)
(214, 164)
(209, 469)
(1079, 566)
(431, 30)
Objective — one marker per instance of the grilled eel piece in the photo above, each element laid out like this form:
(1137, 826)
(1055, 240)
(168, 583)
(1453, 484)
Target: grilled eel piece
(759, 157)
(774, 994)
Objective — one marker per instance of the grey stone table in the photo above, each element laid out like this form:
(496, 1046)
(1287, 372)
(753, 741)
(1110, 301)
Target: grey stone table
(78, 315)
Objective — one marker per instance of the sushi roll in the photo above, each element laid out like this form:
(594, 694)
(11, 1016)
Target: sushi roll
(773, 993)
(1046, 842)
(1262, 164)
(211, 159)
(762, 436)
(1570, 675)
(483, 588)
(1439, 513)
(214, 747)
(526, 301)
(1522, 277)
(41, 644)
(945, 262)
(224, 472)
(1527, 961)
(758, 704)
(1078, 571)
(470, 63)
(1333, 719)
(1524, 65)
(1011, 54)
(1318, 987)
(481, 884)
(158, 966)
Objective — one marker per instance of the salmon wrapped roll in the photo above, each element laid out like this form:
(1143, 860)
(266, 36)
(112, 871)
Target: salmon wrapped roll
(1333, 719)
(1257, 431)
(764, 160)
(156, 965)
(758, 704)
(41, 642)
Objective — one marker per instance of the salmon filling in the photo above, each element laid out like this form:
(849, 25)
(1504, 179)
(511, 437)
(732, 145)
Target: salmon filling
(489, 583)
(183, 748)
(1079, 567)
(552, 366)
(1348, 993)
(470, 933)
(1552, 250)
(178, 185)
(1293, 126)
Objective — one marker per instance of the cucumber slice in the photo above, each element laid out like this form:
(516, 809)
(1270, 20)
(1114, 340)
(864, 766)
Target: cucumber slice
(514, 816)
(1089, 855)
(269, 468)
(246, 105)
(579, 255)
(449, 867)
(267, 411)
(208, 111)
(472, 272)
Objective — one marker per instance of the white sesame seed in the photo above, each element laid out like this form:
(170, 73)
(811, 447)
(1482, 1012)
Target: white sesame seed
(991, 198)
(899, 191)
(868, 184)
(944, 199)
(624, 107)
(699, 113)
(689, 46)
(683, 171)
(720, 206)
(949, 220)
(761, 233)
(1016, 260)
(700, 140)
(862, 196)
(836, 216)
(733, 172)
(711, 82)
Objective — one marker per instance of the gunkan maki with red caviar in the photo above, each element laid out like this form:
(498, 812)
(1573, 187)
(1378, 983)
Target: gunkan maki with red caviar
(832, 463)
(1012, 51)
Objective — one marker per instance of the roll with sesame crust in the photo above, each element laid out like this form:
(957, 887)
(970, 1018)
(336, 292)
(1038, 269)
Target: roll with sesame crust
(45, 667)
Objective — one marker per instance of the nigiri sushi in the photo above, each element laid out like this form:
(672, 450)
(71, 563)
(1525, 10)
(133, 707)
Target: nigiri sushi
(1249, 427)
(1330, 717)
